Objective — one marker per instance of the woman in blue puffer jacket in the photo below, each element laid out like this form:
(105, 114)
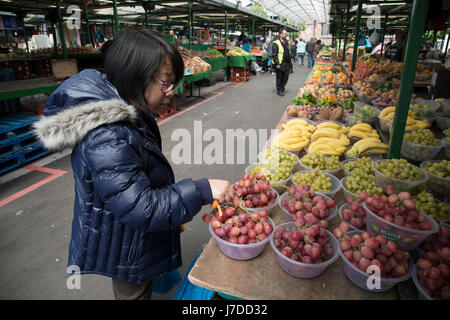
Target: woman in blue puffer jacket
(128, 208)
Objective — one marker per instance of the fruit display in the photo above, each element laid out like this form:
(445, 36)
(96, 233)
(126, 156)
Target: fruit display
(274, 171)
(301, 200)
(342, 79)
(214, 53)
(331, 113)
(420, 145)
(354, 213)
(363, 250)
(202, 54)
(362, 131)
(254, 191)
(344, 94)
(364, 69)
(329, 79)
(329, 139)
(315, 178)
(432, 276)
(367, 147)
(192, 63)
(439, 168)
(427, 204)
(387, 116)
(439, 175)
(325, 52)
(328, 93)
(237, 51)
(305, 98)
(422, 110)
(364, 164)
(319, 161)
(295, 135)
(399, 169)
(361, 181)
(422, 136)
(365, 112)
(301, 111)
(348, 105)
(328, 100)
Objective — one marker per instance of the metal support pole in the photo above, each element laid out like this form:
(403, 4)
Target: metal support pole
(338, 40)
(190, 22)
(88, 25)
(116, 20)
(417, 24)
(25, 36)
(253, 33)
(384, 34)
(355, 45)
(226, 41)
(61, 29)
(346, 32)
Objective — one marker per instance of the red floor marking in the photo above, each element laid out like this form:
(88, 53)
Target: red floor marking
(218, 94)
(237, 85)
(54, 174)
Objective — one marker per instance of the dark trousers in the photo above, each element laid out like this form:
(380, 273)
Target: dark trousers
(282, 78)
(132, 291)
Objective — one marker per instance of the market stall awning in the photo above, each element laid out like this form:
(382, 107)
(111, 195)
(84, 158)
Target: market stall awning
(298, 11)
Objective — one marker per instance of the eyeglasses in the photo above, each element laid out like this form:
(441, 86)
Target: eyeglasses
(167, 86)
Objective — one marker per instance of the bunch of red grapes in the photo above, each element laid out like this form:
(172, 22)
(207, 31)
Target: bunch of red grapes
(355, 214)
(363, 250)
(238, 226)
(399, 209)
(433, 270)
(308, 242)
(302, 200)
(255, 191)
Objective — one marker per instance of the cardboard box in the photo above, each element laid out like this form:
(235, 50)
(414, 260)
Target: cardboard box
(63, 69)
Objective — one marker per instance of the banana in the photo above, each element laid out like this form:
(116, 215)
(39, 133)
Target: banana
(325, 132)
(377, 151)
(298, 145)
(358, 134)
(362, 127)
(385, 111)
(297, 121)
(331, 125)
(293, 140)
(362, 141)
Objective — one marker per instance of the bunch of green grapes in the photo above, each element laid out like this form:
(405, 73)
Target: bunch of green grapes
(426, 203)
(362, 165)
(274, 171)
(422, 136)
(440, 169)
(317, 160)
(281, 156)
(363, 183)
(316, 179)
(447, 139)
(399, 169)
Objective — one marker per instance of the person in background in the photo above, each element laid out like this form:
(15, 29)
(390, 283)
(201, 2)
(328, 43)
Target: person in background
(294, 51)
(282, 61)
(173, 34)
(128, 208)
(310, 49)
(271, 55)
(316, 51)
(246, 45)
(431, 52)
(301, 51)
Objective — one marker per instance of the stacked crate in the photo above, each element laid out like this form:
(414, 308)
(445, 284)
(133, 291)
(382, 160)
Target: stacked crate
(238, 74)
(43, 68)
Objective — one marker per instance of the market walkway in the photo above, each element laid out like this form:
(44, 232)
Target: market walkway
(35, 223)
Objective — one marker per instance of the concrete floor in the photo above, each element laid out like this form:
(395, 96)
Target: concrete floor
(35, 228)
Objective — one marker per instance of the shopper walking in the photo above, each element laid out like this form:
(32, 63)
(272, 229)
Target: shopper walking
(271, 65)
(301, 51)
(128, 208)
(316, 51)
(282, 61)
(310, 49)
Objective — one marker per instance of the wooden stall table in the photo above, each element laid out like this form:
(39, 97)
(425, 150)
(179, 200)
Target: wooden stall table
(262, 278)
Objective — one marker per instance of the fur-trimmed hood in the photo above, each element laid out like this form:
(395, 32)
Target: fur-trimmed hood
(82, 103)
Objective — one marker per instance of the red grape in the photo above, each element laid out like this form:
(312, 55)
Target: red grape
(286, 251)
(268, 228)
(367, 252)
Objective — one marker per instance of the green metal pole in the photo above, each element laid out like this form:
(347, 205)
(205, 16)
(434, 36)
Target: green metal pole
(25, 37)
(190, 22)
(417, 24)
(61, 29)
(88, 26)
(338, 39)
(341, 28)
(346, 32)
(226, 41)
(116, 20)
(434, 37)
(253, 33)
(355, 45)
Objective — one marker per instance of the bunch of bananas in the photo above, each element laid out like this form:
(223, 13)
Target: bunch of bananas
(367, 146)
(362, 131)
(411, 122)
(329, 139)
(295, 135)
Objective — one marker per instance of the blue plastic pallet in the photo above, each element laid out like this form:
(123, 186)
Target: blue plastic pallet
(189, 291)
(15, 122)
(15, 141)
(22, 156)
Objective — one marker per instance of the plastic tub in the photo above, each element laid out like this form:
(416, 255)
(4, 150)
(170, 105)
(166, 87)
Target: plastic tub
(242, 251)
(383, 181)
(261, 160)
(420, 291)
(405, 238)
(445, 109)
(359, 278)
(442, 122)
(336, 184)
(381, 106)
(418, 152)
(377, 156)
(428, 120)
(341, 209)
(360, 111)
(333, 211)
(304, 270)
(347, 193)
(346, 172)
(333, 172)
(278, 186)
(436, 183)
(385, 123)
(446, 147)
(353, 119)
(425, 112)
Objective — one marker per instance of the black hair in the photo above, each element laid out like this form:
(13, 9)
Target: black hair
(104, 49)
(134, 59)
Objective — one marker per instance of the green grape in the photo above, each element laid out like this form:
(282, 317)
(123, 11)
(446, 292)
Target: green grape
(422, 136)
(317, 160)
(362, 165)
(440, 169)
(316, 179)
(426, 203)
(399, 169)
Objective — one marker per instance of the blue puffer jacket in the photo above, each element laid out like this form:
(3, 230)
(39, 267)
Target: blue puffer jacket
(128, 208)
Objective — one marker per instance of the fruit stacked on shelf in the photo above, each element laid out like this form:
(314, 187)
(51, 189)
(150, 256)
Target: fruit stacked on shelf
(365, 112)
(387, 115)
(308, 242)
(215, 53)
(439, 168)
(305, 98)
(329, 139)
(254, 190)
(344, 94)
(295, 135)
(433, 269)
(423, 137)
(364, 69)
(362, 177)
(317, 160)
(277, 165)
(343, 80)
(302, 201)
(301, 111)
(399, 169)
(386, 98)
(363, 131)
(354, 212)
(331, 113)
(329, 79)
(327, 92)
(236, 52)
(239, 226)
(315, 178)
(310, 88)
(427, 204)
(364, 250)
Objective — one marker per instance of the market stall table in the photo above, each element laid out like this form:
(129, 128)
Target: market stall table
(23, 88)
(190, 79)
(240, 61)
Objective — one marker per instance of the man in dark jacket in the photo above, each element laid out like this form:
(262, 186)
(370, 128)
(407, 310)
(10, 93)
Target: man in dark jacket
(282, 61)
(310, 50)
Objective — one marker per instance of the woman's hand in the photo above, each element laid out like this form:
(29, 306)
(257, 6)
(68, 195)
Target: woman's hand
(221, 190)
